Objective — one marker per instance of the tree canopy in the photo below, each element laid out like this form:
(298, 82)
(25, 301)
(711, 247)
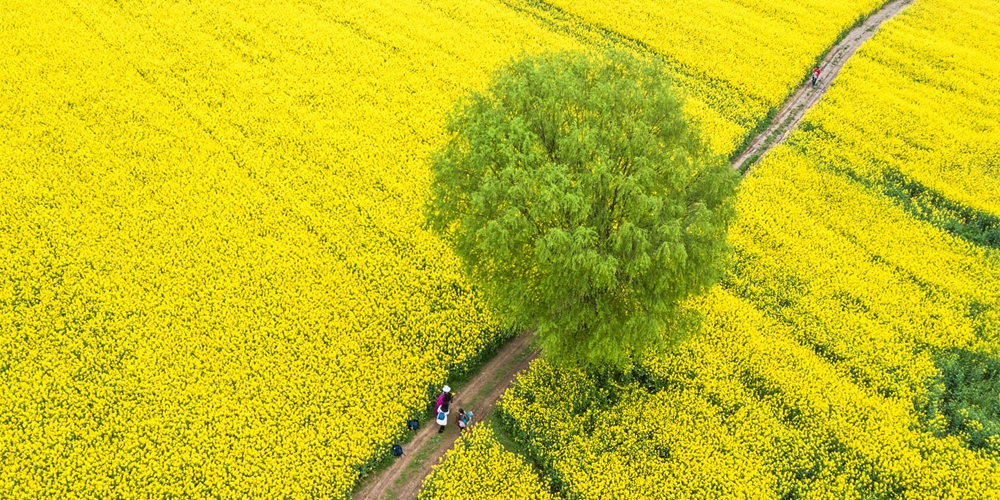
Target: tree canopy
(583, 203)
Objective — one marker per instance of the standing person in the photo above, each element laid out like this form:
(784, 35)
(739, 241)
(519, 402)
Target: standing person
(445, 393)
(816, 72)
(442, 416)
(440, 400)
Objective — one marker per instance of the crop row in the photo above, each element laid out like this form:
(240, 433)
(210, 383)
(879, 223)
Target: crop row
(480, 467)
(214, 281)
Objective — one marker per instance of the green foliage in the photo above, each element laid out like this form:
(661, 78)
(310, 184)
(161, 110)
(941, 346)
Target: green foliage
(583, 203)
(965, 399)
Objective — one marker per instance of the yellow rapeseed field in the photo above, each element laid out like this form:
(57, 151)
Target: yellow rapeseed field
(821, 352)
(736, 60)
(214, 280)
(480, 467)
(213, 277)
(921, 106)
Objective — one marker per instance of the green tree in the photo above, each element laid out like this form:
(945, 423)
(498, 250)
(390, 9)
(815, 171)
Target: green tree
(583, 203)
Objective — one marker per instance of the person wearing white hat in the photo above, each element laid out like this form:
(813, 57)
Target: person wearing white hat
(445, 394)
(443, 399)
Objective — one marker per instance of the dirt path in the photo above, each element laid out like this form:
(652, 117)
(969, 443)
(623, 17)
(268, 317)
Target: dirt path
(806, 96)
(402, 480)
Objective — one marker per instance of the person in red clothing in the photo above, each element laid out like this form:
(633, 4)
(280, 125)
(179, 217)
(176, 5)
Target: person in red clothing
(443, 400)
(444, 397)
(816, 72)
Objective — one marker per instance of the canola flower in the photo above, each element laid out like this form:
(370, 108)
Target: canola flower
(213, 269)
(745, 411)
(480, 467)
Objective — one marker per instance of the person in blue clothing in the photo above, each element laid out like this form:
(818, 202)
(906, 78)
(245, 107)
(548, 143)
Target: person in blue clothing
(442, 416)
(464, 419)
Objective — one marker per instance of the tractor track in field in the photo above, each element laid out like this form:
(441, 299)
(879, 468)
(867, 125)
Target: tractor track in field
(403, 479)
(806, 96)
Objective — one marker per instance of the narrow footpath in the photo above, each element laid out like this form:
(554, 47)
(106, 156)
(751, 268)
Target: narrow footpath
(806, 96)
(403, 479)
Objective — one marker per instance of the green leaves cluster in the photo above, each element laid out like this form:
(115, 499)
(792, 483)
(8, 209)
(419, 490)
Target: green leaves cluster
(964, 399)
(583, 203)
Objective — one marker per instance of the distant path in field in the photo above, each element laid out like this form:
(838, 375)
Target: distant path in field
(403, 479)
(806, 96)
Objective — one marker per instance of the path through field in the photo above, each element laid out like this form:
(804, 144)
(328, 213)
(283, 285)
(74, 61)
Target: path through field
(806, 96)
(402, 480)
(480, 394)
